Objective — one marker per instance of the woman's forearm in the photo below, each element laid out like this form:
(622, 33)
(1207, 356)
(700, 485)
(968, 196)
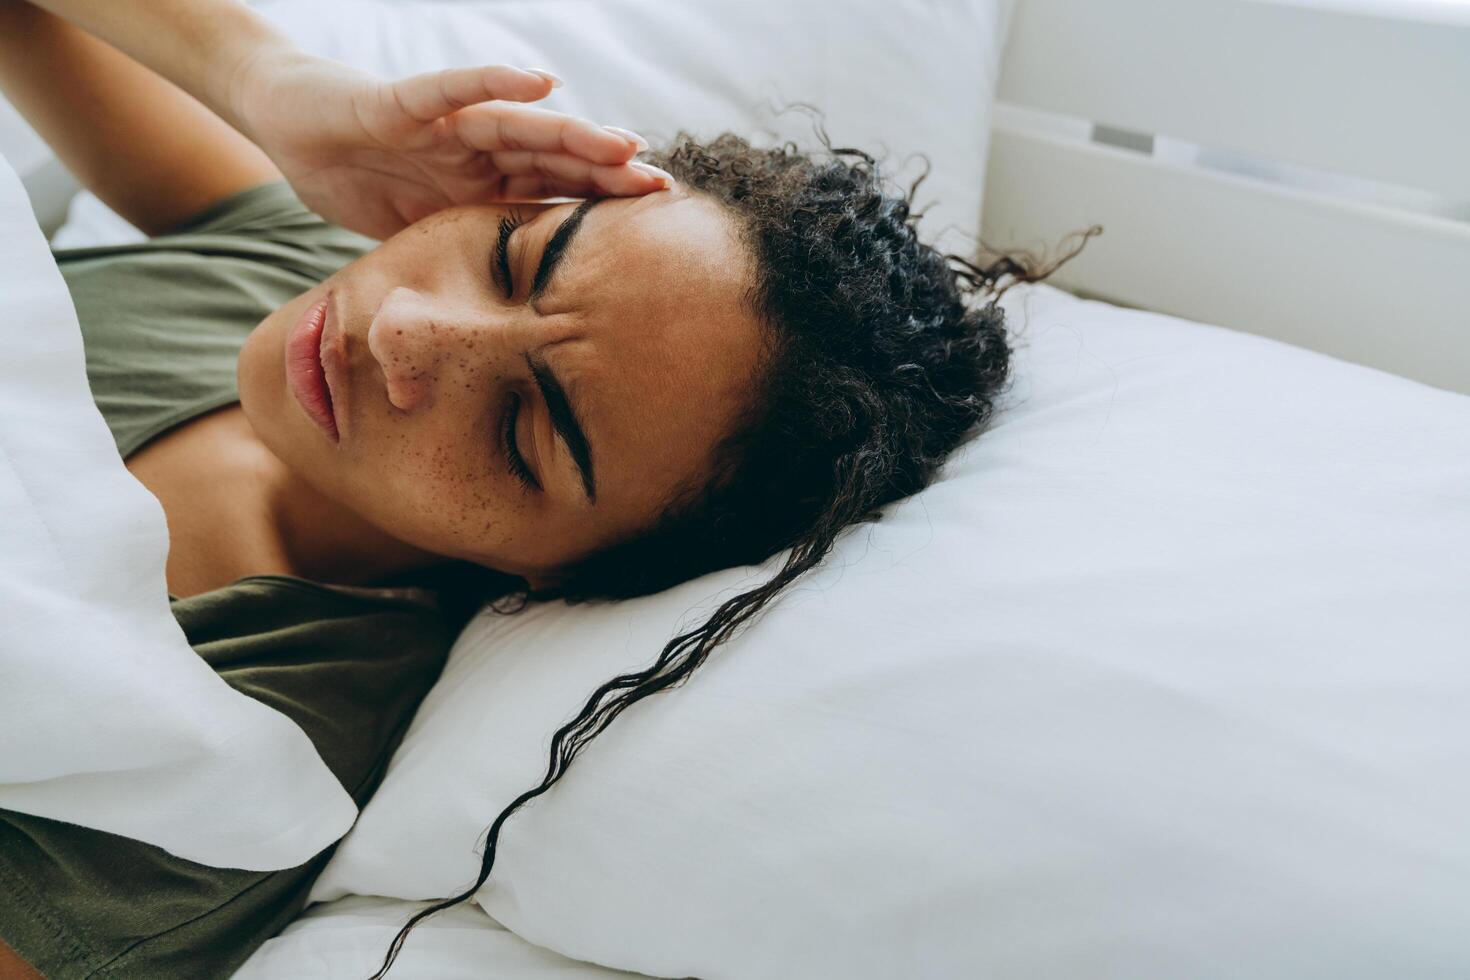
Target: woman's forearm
(370, 154)
(151, 152)
(202, 46)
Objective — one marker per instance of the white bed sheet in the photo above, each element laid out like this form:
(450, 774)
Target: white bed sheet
(347, 939)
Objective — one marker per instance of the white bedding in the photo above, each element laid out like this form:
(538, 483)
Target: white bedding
(1191, 703)
(347, 939)
(1165, 676)
(108, 719)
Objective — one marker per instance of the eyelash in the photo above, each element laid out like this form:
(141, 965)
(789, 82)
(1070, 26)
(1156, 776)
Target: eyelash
(513, 458)
(501, 258)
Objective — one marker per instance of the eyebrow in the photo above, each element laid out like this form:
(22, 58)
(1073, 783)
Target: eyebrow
(564, 420)
(556, 249)
(558, 406)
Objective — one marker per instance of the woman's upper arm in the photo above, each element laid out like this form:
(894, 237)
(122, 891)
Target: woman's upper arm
(147, 149)
(12, 967)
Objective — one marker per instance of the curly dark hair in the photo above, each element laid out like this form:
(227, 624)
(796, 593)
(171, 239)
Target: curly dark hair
(880, 360)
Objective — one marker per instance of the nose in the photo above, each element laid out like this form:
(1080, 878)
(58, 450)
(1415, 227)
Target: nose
(411, 335)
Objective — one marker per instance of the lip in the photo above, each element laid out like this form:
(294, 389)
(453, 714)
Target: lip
(334, 367)
(306, 373)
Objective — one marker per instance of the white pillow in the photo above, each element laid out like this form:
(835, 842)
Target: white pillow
(655, 67)
(108, 719)
(1164, 677)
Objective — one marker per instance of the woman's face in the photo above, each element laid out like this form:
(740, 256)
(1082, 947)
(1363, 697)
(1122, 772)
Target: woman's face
(639, 333)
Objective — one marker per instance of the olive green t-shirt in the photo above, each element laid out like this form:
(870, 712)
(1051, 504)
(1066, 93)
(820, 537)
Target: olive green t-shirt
(163, 320)
(162, 325)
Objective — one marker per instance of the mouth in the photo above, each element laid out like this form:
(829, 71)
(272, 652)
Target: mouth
(333, 360)
(312, 358)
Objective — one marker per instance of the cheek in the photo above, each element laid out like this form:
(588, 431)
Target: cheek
(441, 492)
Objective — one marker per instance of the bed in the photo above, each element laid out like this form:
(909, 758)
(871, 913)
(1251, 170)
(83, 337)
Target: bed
(1178, 686)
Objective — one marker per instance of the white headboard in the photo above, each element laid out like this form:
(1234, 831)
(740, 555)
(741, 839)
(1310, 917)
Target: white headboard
(1370, 89)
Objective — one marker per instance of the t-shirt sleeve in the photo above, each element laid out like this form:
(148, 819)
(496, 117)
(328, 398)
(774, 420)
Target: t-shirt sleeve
(272, 212)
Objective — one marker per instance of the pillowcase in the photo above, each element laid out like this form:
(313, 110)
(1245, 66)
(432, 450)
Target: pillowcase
(705, 66)
(107, 717)
(1166, 670)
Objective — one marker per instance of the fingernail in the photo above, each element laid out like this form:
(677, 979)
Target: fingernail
(555, 82)
(649, 168)
(628, 135)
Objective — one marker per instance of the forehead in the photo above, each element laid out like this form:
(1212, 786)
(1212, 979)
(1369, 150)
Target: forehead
(658, 251)
(653, 340)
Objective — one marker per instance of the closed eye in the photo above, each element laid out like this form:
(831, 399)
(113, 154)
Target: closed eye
(564, 417)
(513, 458)
(500, 262)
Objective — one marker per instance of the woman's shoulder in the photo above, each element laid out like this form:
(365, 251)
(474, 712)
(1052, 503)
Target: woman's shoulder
(265, 228)
(273, 212)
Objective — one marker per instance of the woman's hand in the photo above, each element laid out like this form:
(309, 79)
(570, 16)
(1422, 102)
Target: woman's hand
(375, 156)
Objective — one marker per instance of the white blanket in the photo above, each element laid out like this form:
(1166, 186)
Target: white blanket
(108, 719)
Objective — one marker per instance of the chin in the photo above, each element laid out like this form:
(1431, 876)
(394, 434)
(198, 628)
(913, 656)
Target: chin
(260, 381)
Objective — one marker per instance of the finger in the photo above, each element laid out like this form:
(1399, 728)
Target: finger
(497, 127)
(535, 187)
(433, 94)
(531, 176)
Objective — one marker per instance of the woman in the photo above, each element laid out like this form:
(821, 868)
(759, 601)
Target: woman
(594, 399)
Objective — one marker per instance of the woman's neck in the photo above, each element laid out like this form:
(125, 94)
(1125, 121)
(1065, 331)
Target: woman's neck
(319, 539)
(234, 509)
